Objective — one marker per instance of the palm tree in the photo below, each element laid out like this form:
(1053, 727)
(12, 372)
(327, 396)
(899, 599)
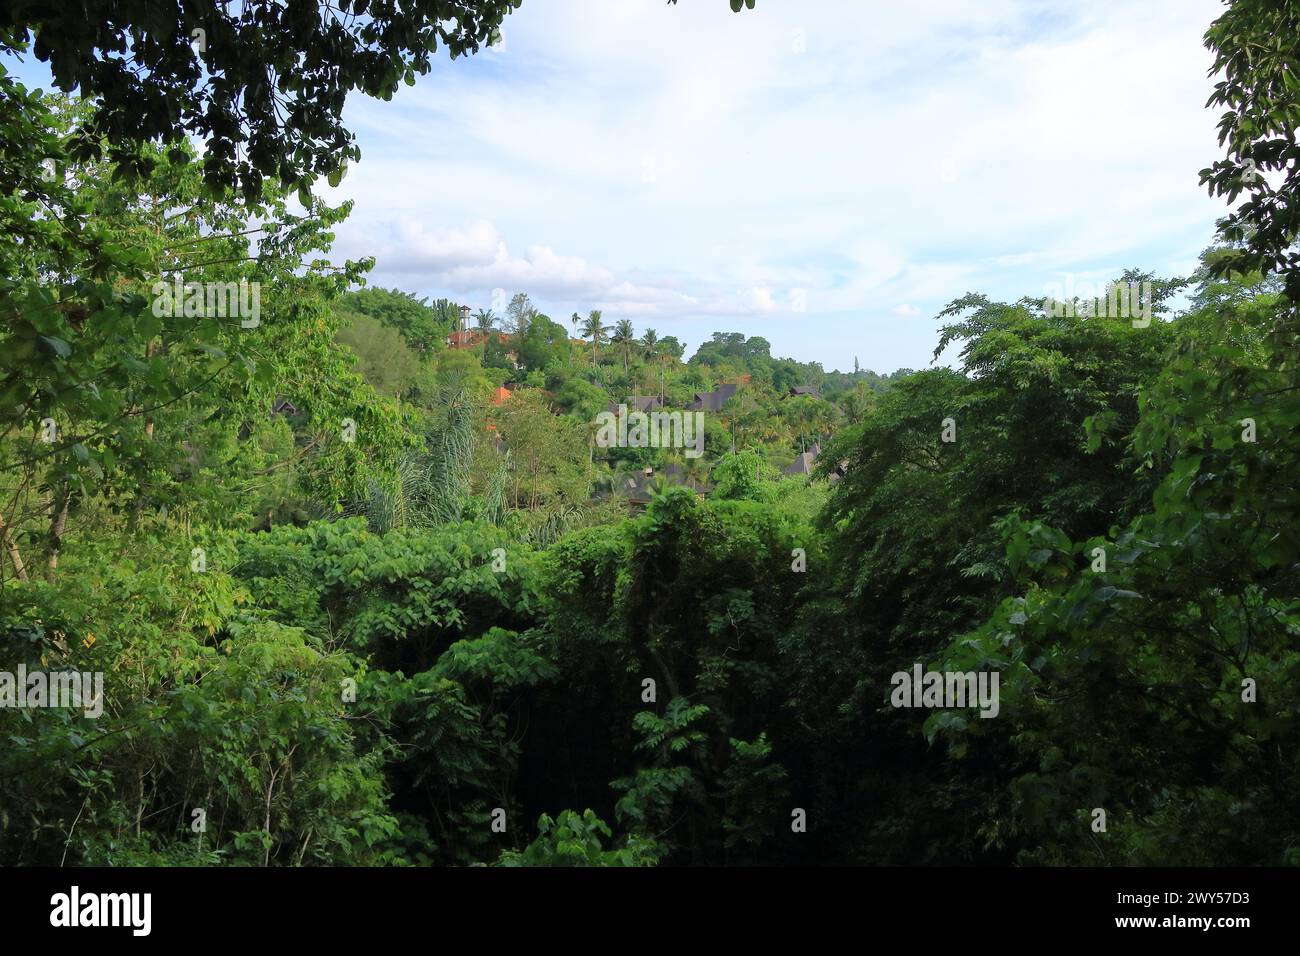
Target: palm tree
(592, 329)
(801, 414)
(625, 337)
(485, 320)
(855, 404)
(695, 471)
(650, 342)
(650, 345)
(431, 486)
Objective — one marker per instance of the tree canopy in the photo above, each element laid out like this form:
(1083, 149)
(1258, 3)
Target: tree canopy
(360, 591)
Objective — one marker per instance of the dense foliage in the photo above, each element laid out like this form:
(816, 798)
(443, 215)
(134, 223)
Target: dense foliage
(363, 587)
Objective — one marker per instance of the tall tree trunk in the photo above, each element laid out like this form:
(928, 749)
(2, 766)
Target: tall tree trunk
(58, 522)
(148, 426)
(12, 547)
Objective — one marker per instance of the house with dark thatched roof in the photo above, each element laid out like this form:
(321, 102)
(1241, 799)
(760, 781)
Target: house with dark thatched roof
(714, 400)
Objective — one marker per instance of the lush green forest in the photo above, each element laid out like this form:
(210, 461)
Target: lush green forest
(365, 588)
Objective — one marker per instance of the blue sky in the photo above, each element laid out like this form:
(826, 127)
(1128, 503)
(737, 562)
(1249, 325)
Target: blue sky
(827, 175)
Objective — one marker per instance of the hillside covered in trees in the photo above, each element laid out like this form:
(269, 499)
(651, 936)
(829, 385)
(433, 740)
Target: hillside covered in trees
(365, 587)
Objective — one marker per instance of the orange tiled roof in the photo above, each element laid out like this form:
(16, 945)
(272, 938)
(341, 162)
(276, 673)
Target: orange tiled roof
(471, 337)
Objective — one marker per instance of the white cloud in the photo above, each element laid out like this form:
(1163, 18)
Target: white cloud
(476, 259)
(691, 166)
